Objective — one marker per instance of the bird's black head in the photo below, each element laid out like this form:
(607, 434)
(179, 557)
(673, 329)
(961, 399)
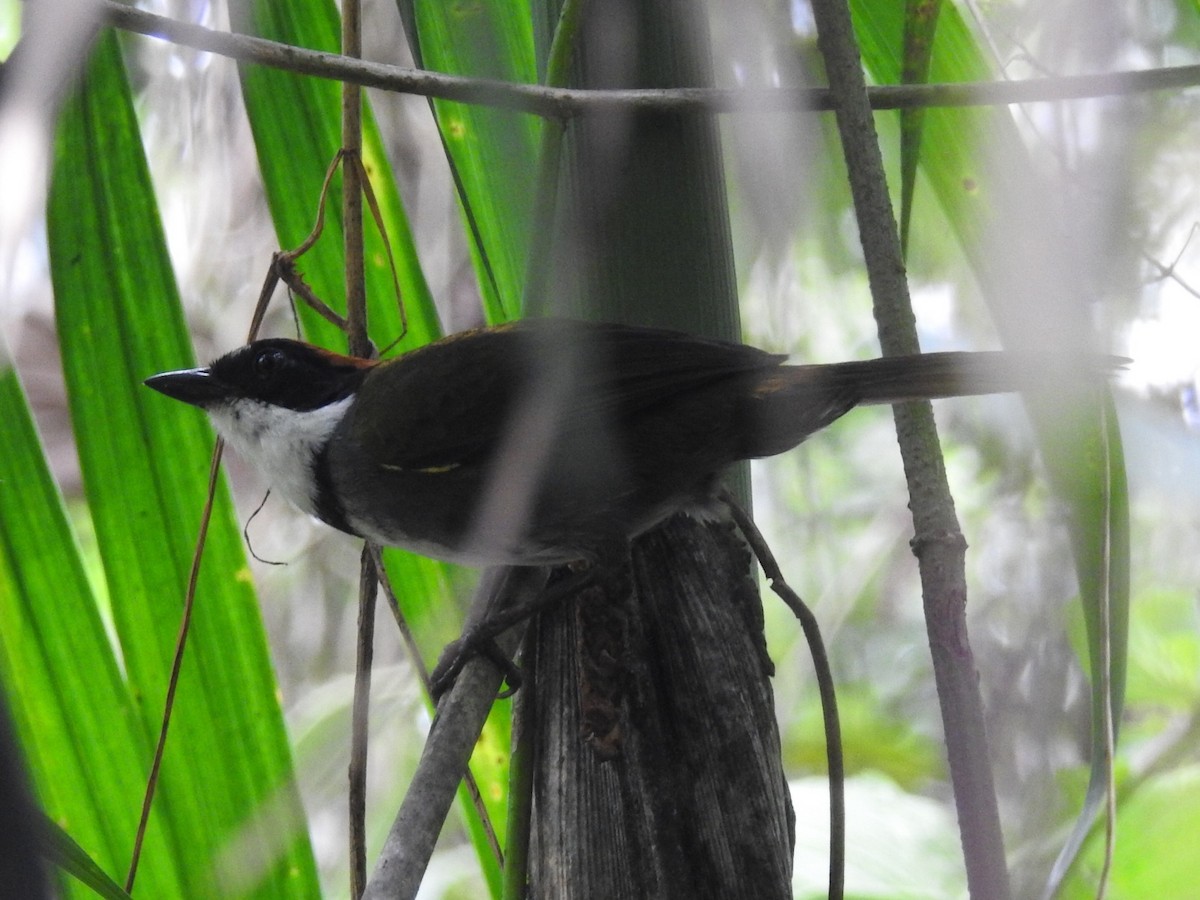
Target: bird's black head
(276, 371)
(276, 402)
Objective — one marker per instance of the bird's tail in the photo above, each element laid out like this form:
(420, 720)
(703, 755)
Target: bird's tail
(931, 376)
(792, 402)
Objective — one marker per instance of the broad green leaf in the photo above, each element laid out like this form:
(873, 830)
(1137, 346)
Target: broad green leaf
(920, 26)
(74, 716)
(494, 152)
(144, 461)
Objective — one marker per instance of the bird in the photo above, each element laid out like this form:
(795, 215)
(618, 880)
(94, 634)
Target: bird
(641, 423)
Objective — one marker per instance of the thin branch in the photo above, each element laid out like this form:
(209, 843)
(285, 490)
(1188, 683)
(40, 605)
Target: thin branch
(563, 103)
(939, 545)
(1171, 271)
(418, 664)
(456, 727)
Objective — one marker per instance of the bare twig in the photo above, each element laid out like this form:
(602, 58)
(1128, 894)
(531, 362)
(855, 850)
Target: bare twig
(368, 587)
(359, 344)
(364, 181)
(1170, 270)
(562, 103)
(519, 818)
(189, 603)
(825, 686)
(352, 191)
(406, 635)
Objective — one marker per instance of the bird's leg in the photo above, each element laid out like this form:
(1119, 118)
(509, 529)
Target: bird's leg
(480, 639)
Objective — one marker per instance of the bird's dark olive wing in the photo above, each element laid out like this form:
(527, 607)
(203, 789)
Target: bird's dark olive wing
(449, 404)
(644, 367)
(441, 406)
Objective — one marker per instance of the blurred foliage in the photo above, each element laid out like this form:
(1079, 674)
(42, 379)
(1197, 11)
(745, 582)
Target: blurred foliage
(877, 740)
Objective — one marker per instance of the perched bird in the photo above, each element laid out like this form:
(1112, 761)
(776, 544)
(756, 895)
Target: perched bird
(640, 424)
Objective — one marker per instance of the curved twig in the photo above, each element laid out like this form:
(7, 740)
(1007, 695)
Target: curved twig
(825, 687)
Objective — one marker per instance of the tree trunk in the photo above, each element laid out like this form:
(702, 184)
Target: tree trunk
(657, 762)
(685, 795)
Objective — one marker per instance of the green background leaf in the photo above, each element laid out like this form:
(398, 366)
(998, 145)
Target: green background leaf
(226, 775)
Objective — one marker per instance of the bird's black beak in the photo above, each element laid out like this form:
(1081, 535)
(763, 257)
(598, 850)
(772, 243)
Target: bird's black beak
(195, 386)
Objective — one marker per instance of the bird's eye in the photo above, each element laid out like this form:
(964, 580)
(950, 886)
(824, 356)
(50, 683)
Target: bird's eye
(268, 363)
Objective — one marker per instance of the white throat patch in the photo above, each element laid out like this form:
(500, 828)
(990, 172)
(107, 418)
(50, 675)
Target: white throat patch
(281, 443)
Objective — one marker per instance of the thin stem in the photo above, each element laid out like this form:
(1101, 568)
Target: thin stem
(359, 345)
(825, 687)
(521, 773)
(352, 192)
(189, 603)
(368, 588)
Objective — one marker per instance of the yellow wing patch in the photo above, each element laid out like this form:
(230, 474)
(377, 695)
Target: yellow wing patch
(426, 470)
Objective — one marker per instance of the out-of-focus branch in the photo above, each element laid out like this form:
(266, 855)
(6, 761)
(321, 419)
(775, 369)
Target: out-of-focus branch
(938, 543)
(564, 103)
